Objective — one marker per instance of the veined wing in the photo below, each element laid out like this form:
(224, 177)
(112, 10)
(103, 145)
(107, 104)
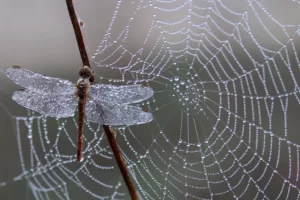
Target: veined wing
(115, 114)
(52, 105)
(39, 83)
(125, 94)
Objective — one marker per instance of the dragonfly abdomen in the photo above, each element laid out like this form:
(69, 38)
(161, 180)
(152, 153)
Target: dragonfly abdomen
(82, 88)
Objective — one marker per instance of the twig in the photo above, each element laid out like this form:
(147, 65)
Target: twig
(110, 136)
(115, 148)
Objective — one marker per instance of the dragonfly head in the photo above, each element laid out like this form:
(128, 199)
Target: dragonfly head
(85, 72)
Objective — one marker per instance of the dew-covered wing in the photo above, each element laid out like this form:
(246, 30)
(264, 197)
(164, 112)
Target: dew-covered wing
(52, 105)
(115, 114)
(37, 82)
(124, 94)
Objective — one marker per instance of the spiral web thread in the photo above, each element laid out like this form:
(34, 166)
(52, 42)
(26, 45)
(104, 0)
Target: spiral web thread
(226, 105)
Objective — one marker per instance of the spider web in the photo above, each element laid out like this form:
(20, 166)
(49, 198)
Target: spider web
(225, 107)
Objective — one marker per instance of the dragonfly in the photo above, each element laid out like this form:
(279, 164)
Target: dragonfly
(98, 103)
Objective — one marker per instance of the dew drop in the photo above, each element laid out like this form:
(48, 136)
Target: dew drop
(176, 78)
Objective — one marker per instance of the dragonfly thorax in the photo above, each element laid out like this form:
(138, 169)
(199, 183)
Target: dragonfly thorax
(83, 81)
(82, 87)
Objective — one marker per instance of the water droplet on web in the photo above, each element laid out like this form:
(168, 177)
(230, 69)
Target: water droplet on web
(176, 78)
(182, 82)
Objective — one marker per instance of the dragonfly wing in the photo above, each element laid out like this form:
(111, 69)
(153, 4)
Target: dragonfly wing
(115, 114)
(52, 105)
(120, 94)
(37, 82)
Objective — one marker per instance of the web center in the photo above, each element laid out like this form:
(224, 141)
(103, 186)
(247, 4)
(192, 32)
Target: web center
(186, 89)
